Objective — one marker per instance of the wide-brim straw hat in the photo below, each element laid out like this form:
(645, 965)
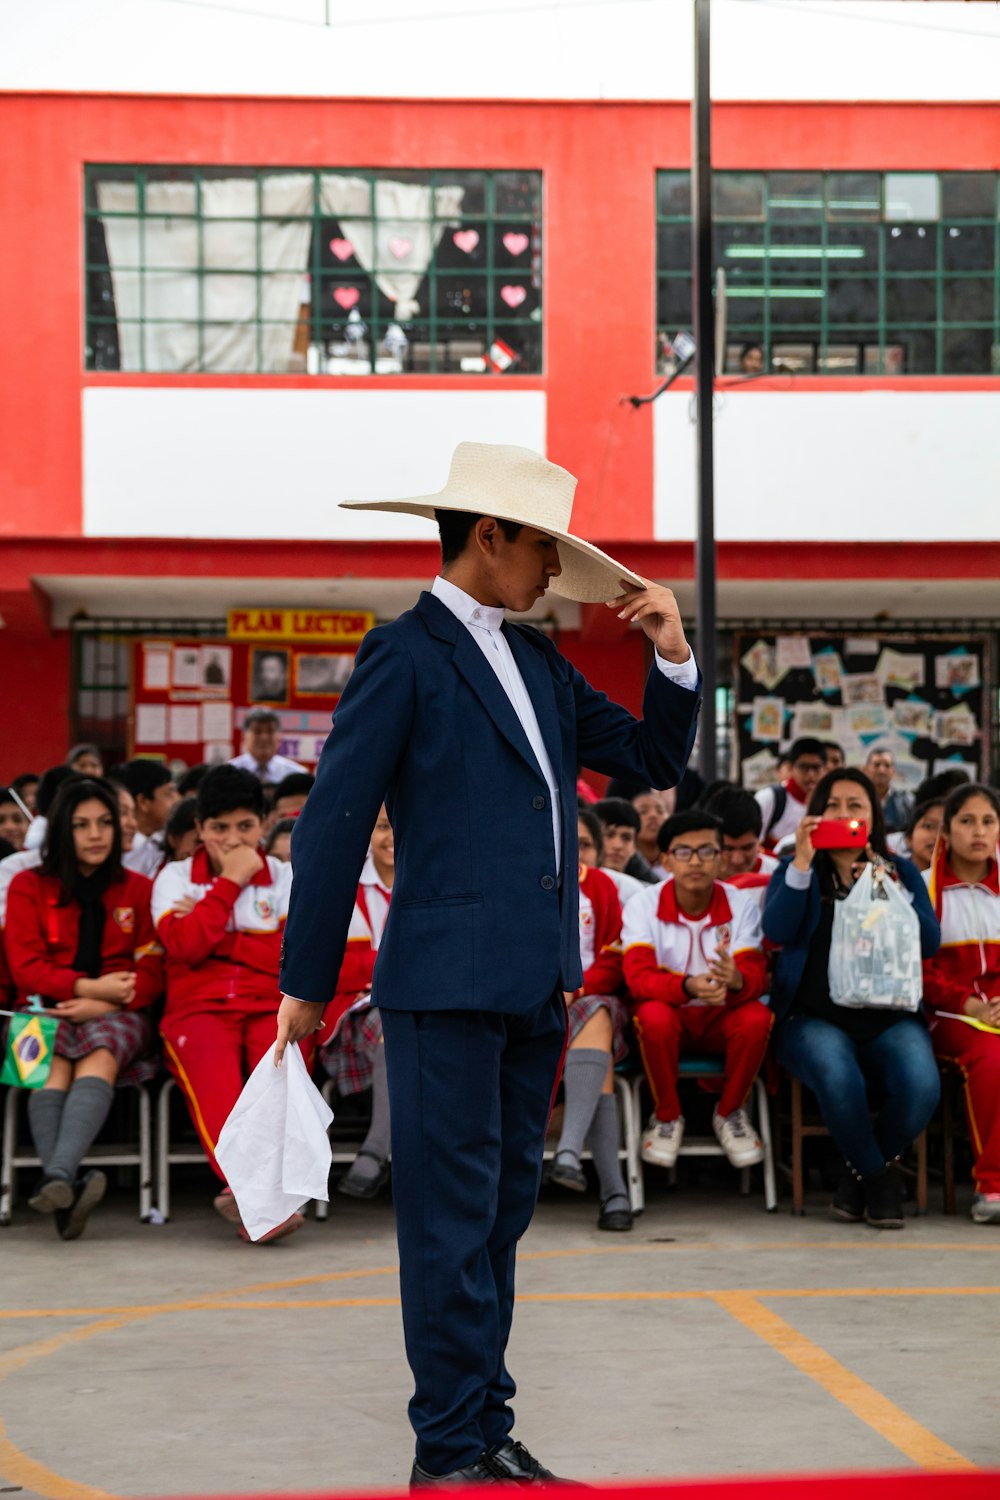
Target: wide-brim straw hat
(517, 484)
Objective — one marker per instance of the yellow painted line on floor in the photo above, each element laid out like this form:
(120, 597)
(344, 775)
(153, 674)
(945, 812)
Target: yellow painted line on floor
(917, 1442)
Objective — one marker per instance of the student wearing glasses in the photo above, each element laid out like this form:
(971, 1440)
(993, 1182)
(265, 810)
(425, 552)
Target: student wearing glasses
(695, 969)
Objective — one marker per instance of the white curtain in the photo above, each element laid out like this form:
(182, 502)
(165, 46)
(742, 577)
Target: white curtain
(398, 246)
(211, 322)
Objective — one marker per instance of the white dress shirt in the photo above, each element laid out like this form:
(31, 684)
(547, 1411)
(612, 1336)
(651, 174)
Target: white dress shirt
(277, 768)
(483, 623)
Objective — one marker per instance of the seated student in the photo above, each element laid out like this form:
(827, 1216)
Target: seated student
(26, 787)
(279, 840)
(220, 916)
(849, 1057)
(620, 826)
(963, 978)
(352, 1053)
(80, 935)
(126, 814)
(180, 836)
(192, 779)
(744, 863)
(653, 808)
(30, 856)
(834, 756)
(782, 806)
(289, 797)
(598, 1023)
(590, 835)
(695, 972)
(917, 840)
(85, 760)
(13, 822)
(155, 794)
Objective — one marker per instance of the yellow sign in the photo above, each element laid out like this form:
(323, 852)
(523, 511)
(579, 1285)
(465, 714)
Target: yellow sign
(331, 627)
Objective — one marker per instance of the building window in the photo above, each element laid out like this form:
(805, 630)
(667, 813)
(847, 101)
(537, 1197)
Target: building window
(843, 273)
(215, 270)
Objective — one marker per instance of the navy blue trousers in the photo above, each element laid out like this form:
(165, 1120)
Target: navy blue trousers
(469, 1096)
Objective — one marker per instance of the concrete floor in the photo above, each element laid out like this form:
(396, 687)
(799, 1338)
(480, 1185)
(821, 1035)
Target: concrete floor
(715, 1339)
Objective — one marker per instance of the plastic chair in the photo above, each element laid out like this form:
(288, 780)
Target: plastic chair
(14, 1158)
(712, 1067)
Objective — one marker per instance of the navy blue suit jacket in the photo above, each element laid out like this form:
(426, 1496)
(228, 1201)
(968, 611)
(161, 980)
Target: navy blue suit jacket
(477, 919)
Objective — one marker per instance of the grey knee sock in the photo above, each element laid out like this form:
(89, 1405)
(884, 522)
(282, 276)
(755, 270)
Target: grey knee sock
(602, 1142)
(586, 1070)
(45, 1107)
(86, 1110)
(377, 1139)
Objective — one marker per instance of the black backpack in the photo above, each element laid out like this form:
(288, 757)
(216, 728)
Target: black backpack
(778, 807)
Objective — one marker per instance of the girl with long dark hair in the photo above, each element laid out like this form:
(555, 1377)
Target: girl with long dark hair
(854, 1060)
(962, 981)
(79, 936)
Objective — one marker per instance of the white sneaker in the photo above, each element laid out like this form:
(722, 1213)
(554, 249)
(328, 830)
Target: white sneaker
(986, 1208)
(738, 1139)
(661, 1141)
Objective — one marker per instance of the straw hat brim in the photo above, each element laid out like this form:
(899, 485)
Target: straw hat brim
(589, 576)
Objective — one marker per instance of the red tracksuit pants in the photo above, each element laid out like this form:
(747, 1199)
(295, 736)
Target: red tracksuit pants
(977, 1054)
(738, 1034)
(211, 1054)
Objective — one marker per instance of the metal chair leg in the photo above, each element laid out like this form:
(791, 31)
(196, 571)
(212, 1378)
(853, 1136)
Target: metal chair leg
(764, 1126)
(9, 1150)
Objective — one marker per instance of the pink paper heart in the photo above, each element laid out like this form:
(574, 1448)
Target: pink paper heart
(400, 248)
(342, 249)
(513, 295)
(516, 243)
(466, 239)
(346, 296)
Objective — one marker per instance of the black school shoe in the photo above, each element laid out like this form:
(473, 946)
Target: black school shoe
(884, 1200)
(521, 1467)
(90, 1189)
(615, 1219)
(568, 1173)
(849, 1200)
(483, 1471)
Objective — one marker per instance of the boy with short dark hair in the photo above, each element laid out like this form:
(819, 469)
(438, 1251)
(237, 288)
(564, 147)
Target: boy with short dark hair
(743, 863)
(695, 970)
(620, 823)
(155, 797)
(220, 917)
(782, 806)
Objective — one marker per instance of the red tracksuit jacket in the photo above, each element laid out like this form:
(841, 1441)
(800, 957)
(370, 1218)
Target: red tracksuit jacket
(968, 960)
(658, 943)
(600, 934)
(41, 937)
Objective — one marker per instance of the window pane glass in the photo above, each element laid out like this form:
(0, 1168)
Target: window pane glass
(918, 350)
(969, 195)
(911, 195)
(795, 197)
(738, 195)
(840, 359)
(856, 245)
(911, 248)
(673, 244)
(517, 194)
(968, 299)
(914, 297)
(673, 194)
(853, 196)
(794, 358)
(968, 247)
(853, 300)
(673, 303)
(966, 351)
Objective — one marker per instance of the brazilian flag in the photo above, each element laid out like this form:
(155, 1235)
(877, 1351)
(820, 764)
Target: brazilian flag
(30, 1050)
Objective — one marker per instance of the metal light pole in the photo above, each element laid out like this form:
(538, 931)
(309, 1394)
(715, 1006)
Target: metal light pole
(704, 334)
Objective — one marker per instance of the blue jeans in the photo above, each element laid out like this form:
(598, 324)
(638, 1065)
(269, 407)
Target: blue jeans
(900, 1067)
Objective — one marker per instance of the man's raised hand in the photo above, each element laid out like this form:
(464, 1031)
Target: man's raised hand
(655, 608)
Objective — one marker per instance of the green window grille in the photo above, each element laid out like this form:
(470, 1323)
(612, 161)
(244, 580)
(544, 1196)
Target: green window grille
(843, 273)
(340, 271)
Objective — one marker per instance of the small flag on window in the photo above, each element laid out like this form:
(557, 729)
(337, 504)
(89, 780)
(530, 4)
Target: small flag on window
(30, 1049)
(501, 356)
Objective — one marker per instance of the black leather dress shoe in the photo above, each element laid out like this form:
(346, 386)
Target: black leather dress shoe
(523, 1467)
(484, 1471)
(615, 1219)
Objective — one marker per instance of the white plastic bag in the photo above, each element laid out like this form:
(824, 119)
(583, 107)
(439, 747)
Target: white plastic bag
(875, 951)
(274, 1147)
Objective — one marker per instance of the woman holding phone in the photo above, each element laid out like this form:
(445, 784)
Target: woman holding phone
(853, 1060)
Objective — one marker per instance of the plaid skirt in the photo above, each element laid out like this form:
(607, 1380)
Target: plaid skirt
(349, 1055)
(587, 1006)
(128, 1036)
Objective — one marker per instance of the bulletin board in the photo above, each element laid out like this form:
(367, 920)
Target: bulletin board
(925, 699)
(189, 698)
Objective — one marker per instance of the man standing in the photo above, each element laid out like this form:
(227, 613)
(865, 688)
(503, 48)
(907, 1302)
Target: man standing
(261, 736)
(453, 716)
(880, 768)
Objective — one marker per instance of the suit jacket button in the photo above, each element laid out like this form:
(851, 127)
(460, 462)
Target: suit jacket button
(538, 803)
(547, 883)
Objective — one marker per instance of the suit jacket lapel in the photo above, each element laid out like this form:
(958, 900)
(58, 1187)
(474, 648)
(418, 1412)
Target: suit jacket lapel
(470, 661)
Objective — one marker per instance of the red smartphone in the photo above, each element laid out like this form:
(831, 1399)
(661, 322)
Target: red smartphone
(840, 833)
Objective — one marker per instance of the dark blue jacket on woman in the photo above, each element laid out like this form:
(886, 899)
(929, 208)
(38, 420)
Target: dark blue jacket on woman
(791, 916)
